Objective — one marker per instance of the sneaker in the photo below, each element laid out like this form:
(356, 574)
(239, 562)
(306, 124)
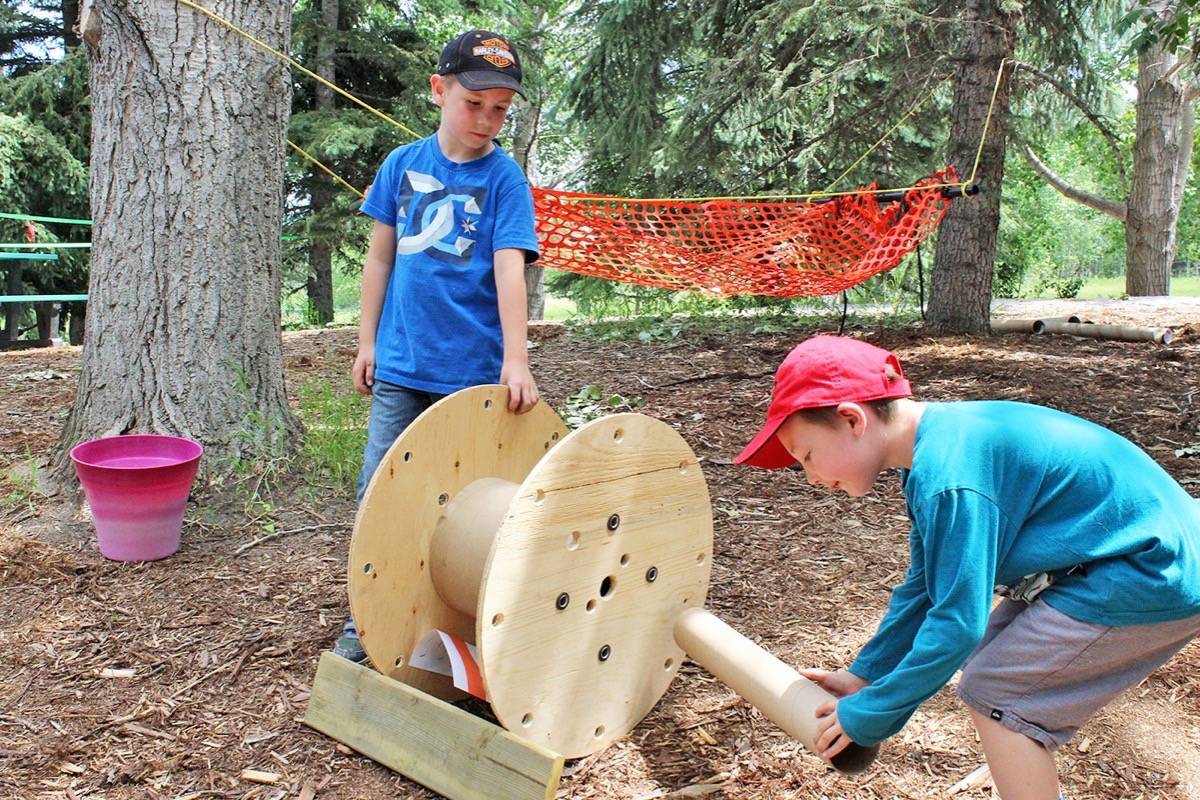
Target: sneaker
(348, 645)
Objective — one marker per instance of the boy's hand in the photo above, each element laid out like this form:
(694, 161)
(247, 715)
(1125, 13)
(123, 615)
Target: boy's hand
(522, 389)
(831, 739)
(363, 371)
(838, 684)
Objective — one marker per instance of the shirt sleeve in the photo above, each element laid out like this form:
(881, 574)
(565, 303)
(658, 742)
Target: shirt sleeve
(959, 529)
(380, 203)
(515, 226)
(906, 611)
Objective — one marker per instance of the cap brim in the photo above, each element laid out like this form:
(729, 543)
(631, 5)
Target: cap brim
(765, 451)
(480, 79)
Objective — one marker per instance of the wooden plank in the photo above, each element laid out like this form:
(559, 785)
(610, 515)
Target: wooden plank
(428, 740)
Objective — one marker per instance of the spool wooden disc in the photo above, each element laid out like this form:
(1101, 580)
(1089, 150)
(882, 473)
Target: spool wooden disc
(607, 541)
(462, 438)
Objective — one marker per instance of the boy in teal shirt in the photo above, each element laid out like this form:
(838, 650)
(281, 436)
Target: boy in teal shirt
(1094, 545)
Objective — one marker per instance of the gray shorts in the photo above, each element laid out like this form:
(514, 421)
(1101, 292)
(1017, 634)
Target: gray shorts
(1042, 673)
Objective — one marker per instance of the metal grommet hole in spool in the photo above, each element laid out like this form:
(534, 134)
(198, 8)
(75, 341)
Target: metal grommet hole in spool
(652, 575)
(573, 540)
(605, 652)
(562, 601)
(614, 522)
(368, 568)
(497, 619)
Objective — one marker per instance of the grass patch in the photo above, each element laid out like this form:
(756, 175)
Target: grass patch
(335, 423)
(1097, 288)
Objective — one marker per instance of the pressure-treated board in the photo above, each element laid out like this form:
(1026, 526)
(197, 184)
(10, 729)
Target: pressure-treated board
(428, 740)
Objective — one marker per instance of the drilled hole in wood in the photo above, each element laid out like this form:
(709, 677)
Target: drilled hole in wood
(408, 455)
(607, 585)
(367, 568)
(573, 540)
(497, 619)
(624, 559)
(443, 498)
(527, 720)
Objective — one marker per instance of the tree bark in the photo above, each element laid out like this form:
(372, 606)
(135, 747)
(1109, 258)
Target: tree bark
(525, 124)
(961, 290)
(187, 162)
(1154, 200)
(320, 252)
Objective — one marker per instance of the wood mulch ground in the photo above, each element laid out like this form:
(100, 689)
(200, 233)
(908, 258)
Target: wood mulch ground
(170, 679)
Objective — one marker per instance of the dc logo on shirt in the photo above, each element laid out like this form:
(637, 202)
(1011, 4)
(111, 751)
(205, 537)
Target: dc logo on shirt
(440, 220)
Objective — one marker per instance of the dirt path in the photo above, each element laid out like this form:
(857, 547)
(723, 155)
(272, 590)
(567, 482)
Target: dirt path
(170, 679)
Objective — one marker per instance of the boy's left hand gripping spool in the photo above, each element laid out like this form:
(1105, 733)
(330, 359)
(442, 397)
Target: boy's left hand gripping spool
(567, 559)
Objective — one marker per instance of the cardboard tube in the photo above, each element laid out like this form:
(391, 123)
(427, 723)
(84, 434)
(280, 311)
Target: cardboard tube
(1121, 333)
(778, 691)
(462, 541)
(1017, 325)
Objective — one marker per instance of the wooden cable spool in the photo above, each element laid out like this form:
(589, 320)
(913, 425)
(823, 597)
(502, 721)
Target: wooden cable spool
(578, 563)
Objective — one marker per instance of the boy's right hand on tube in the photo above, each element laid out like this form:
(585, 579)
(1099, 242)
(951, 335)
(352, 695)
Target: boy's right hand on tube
(363, 371)
(839, 684)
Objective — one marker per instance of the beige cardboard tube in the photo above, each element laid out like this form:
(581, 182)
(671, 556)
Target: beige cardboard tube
(1121, 333)
(778, 691)
(1017, 325)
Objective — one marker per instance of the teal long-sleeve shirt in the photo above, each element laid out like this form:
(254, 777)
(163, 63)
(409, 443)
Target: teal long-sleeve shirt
(1000, 490)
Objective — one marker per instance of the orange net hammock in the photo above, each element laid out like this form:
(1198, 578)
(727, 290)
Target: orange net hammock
(738, 246)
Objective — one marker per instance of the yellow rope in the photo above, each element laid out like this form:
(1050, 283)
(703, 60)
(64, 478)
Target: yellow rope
(330, 172)
(986, 123)
(297, 65)
(964, 185)
(885, 136)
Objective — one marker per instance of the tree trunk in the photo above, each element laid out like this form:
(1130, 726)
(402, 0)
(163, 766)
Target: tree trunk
(188, 124)
(320, 252)
(1158, 151)
(70, 18)
(961, 289)
(525, 124)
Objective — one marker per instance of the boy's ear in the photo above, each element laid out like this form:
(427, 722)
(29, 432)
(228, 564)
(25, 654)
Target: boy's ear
(437, 87)
(854, 415)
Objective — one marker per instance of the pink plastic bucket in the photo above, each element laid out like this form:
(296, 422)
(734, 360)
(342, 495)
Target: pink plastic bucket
(137, 487)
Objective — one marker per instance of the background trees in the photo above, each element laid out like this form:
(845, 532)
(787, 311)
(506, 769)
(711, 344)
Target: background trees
(630, 97)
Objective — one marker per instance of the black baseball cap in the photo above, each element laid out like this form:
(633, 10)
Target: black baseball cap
(482, 60)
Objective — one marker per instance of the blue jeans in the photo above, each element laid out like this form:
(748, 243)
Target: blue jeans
(393, 408)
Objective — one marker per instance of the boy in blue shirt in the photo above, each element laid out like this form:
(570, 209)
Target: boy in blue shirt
(1094, 545)
(443, 288)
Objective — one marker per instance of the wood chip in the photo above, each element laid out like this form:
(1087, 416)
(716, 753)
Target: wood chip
(71, 769)
(123, 672)
(258, 776)
(980, 775)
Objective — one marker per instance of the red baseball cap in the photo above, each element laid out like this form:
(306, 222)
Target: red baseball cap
(819, 372)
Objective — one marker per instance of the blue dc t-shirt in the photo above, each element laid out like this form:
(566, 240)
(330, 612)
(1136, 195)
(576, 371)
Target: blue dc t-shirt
(1000, 490)
(439, 330)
